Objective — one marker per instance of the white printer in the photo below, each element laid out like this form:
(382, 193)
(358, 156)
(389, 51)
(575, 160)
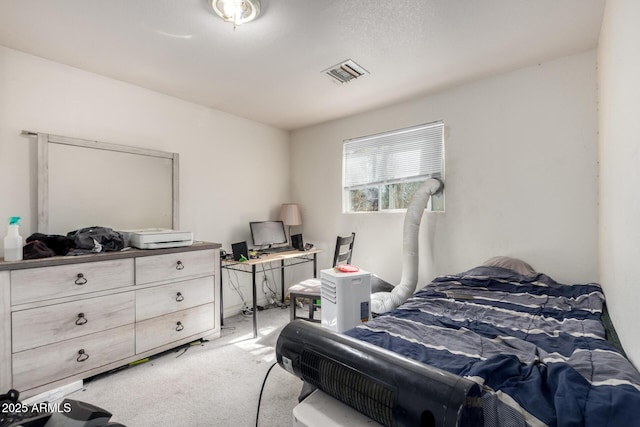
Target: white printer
(158, 238)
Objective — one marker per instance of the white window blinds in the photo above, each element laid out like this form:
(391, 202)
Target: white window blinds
(409, 154)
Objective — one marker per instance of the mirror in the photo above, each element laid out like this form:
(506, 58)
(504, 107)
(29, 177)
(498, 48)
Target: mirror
(84, 183)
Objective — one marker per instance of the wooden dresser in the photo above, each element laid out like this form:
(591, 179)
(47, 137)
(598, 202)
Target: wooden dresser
(67, 318)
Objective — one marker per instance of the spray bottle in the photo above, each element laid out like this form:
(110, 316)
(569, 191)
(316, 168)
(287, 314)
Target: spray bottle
(13, 241)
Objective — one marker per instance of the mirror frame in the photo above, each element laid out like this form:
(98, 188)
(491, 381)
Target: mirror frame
(45, 139)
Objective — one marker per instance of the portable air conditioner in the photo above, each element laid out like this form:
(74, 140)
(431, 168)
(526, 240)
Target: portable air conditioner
(345, 299)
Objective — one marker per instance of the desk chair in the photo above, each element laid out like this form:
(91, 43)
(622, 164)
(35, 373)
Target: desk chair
(310, 288)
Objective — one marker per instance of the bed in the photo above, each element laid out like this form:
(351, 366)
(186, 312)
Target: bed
(537, 349)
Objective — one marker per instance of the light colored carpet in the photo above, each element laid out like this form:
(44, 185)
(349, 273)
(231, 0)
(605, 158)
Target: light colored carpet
(214, 384)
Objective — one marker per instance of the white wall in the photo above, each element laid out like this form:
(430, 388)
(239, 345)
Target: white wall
(619, 95)
(521, 176)
(521, 164)
(221, 155)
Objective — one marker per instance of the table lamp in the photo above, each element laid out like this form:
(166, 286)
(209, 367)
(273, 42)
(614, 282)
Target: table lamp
(290, 216)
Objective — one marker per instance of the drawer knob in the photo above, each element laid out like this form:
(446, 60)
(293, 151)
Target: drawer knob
(82, 356)
(179, 297)
(179, 326)
(81, 320)
(80, 279)
(179, 265)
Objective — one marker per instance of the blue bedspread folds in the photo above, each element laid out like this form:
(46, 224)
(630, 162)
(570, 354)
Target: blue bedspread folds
(537, 347)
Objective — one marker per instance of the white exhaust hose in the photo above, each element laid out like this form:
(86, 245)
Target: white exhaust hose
(382, 302)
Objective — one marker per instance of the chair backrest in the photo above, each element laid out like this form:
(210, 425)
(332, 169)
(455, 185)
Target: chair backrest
(344, 249)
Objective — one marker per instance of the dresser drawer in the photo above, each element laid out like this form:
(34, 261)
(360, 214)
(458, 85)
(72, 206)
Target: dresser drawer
(38, 284)
(156, 332)
(53, 362)
(45, 325)
(181, 265)
(165, 299)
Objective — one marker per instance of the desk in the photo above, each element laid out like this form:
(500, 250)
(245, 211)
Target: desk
(249, 266)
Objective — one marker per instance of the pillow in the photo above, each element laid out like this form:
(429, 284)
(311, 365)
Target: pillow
(514, 264)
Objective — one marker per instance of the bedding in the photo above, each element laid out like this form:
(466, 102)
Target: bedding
(536, 347)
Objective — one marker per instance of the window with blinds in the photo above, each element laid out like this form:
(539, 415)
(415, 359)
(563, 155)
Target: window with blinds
(381, 172)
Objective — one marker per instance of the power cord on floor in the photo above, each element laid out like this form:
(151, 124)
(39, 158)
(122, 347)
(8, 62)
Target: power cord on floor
(236, 287)
(270, 294)
(261, 390)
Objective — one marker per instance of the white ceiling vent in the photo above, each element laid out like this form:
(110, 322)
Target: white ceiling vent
(345, 71)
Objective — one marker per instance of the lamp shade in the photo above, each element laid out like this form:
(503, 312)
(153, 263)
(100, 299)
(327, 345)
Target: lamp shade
(290, 214)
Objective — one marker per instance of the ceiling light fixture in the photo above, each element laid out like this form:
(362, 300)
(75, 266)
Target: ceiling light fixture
(236, 11)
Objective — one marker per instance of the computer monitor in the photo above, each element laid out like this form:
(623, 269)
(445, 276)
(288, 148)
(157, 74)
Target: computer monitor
(267, 233)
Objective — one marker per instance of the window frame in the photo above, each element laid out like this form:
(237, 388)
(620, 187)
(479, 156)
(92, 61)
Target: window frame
(389, 163)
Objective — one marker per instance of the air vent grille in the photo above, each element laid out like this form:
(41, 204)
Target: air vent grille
(345, 71)
(361, 392)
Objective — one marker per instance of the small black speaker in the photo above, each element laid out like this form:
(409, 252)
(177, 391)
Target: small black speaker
(239, 249)
(296, 242)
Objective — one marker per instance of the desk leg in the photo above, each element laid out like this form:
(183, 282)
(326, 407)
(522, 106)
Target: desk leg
(255, 306)
(282, 281)
(315, 265)
(221, 302)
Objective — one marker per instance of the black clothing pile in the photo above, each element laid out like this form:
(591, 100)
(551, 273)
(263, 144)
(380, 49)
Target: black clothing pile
(86, 240)
(96, 239)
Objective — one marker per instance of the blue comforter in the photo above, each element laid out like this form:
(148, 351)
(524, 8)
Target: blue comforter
(537, 347)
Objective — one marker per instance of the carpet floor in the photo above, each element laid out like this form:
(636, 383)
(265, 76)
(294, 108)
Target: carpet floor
(215, 383)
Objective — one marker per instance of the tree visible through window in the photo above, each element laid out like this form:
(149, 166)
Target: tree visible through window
(381, 172)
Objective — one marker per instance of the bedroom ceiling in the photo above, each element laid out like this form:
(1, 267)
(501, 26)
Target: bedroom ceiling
(270, 70)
